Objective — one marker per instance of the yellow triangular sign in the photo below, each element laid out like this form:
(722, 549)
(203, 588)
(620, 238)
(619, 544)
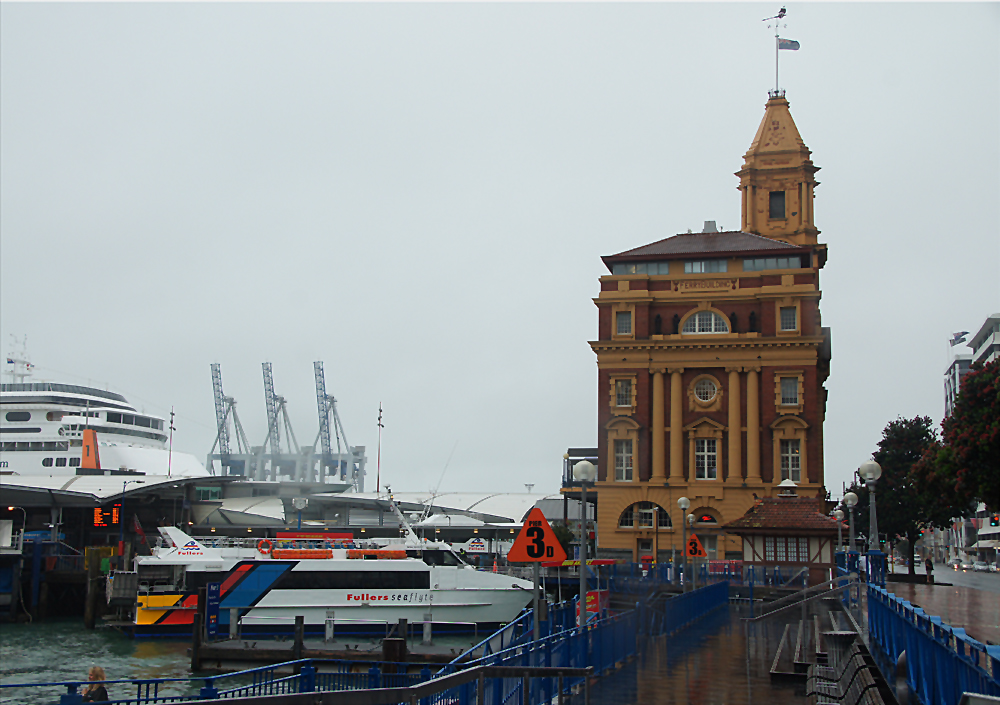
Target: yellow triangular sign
(537, 541)
(694, 549)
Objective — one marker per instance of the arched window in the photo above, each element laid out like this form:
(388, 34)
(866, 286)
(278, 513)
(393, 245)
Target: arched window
(642, 515)
(706, 322)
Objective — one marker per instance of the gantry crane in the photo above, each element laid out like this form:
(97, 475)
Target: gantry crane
(225, 408)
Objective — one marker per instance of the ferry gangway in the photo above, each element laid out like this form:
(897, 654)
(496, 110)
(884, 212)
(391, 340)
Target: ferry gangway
(568, 652)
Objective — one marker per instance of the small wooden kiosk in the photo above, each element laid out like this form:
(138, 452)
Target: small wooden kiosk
(788, 532)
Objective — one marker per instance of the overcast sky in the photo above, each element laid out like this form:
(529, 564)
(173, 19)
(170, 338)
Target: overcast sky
(419, 196)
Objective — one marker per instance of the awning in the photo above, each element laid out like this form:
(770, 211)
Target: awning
(985, 544)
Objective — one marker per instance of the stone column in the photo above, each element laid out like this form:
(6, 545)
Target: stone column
(735, 428)
(676, 428)
(659, 470)
(753, 426)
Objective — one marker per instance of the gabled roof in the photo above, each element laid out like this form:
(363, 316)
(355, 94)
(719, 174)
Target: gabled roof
(733, 242)
(797, 514)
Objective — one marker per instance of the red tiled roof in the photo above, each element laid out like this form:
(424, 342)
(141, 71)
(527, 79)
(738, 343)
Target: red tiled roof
(731, 242)
(785, 513)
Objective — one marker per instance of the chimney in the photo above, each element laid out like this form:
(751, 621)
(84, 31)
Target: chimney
(710, 227)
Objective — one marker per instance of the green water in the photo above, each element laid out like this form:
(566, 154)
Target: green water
(63, 650)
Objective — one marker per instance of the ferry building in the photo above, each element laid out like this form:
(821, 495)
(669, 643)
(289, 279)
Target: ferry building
(711, 361)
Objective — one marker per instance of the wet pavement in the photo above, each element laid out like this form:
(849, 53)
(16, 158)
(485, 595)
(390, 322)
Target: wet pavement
(975, 610)
(720, 659)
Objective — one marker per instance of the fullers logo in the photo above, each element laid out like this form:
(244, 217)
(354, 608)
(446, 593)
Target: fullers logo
(191, 548)
(365, 597)
(394, 597)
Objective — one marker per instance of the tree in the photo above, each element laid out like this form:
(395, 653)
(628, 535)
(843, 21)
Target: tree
(971, 454)
(911, 495)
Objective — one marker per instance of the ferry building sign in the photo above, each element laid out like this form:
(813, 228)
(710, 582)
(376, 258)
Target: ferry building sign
(712, 360)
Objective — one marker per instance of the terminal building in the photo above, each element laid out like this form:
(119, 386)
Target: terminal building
(712, 360)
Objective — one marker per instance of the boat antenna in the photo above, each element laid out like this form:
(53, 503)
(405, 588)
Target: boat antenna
(434, 493)
(411, 536)
(18, 357)
(378, 462)
(170, 447)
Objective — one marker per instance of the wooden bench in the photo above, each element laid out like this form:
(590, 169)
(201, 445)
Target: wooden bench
(854, 679)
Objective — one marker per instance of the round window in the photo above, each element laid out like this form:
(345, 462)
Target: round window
(705, 390)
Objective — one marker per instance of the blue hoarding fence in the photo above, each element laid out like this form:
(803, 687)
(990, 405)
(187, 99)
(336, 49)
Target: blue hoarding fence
(943, 661)
(600, 646)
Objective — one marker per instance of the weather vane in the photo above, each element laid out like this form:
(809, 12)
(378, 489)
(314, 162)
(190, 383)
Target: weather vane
(779, 43)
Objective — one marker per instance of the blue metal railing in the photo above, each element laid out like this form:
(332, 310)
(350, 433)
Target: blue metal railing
(943, 661)
(605, 642)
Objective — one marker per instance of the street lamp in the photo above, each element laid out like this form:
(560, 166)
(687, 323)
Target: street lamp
(121, 523)
(694, 561)
(871, 471)
(583, 472)
(839, 516)
(683, 503)
(24, 522)
(851, 501)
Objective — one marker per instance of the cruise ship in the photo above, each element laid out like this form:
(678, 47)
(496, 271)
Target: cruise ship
(42, 426)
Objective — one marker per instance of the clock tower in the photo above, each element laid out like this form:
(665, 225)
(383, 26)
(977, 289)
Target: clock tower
(712, 360)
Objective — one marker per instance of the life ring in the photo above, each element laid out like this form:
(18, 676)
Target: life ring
(265, 546)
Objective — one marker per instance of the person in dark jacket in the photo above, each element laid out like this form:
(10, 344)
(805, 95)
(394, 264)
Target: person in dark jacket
(95, 693)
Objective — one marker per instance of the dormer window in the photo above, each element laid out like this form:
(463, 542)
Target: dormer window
(706, 322)
(705, 266)
(776, 203)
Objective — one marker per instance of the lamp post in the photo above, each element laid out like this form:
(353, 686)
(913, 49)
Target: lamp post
(851, 501)
(871, 472)
(121, 523)
(689, 520)
(839, 516)
(24, 522)
(683, 503)
(583, 472)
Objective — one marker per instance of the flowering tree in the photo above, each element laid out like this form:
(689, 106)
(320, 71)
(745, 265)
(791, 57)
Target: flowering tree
(971, 453)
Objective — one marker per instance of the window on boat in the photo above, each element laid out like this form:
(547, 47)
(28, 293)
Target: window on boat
(61, 462)
(128, 419)
(194, 579)
(114, 418)
(353, 580)
(47, 462)
(441, 557)
(19, 416)
(74, 462)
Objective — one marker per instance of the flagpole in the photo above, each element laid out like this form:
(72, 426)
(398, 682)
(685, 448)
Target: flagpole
(777, 85)
(378, 462)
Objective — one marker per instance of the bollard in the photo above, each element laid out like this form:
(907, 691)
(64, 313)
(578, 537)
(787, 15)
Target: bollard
(373, 677)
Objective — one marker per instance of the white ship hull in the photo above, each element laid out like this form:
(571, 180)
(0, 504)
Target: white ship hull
(421, 582)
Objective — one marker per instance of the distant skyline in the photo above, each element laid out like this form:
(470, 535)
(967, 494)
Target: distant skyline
(419, 195)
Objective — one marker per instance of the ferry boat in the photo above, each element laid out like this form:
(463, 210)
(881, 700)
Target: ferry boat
(42, 426)
(361, 586)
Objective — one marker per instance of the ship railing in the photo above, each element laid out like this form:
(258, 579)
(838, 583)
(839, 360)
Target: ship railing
(331, 626)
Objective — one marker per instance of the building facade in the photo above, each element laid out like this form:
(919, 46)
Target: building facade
(711, 362)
